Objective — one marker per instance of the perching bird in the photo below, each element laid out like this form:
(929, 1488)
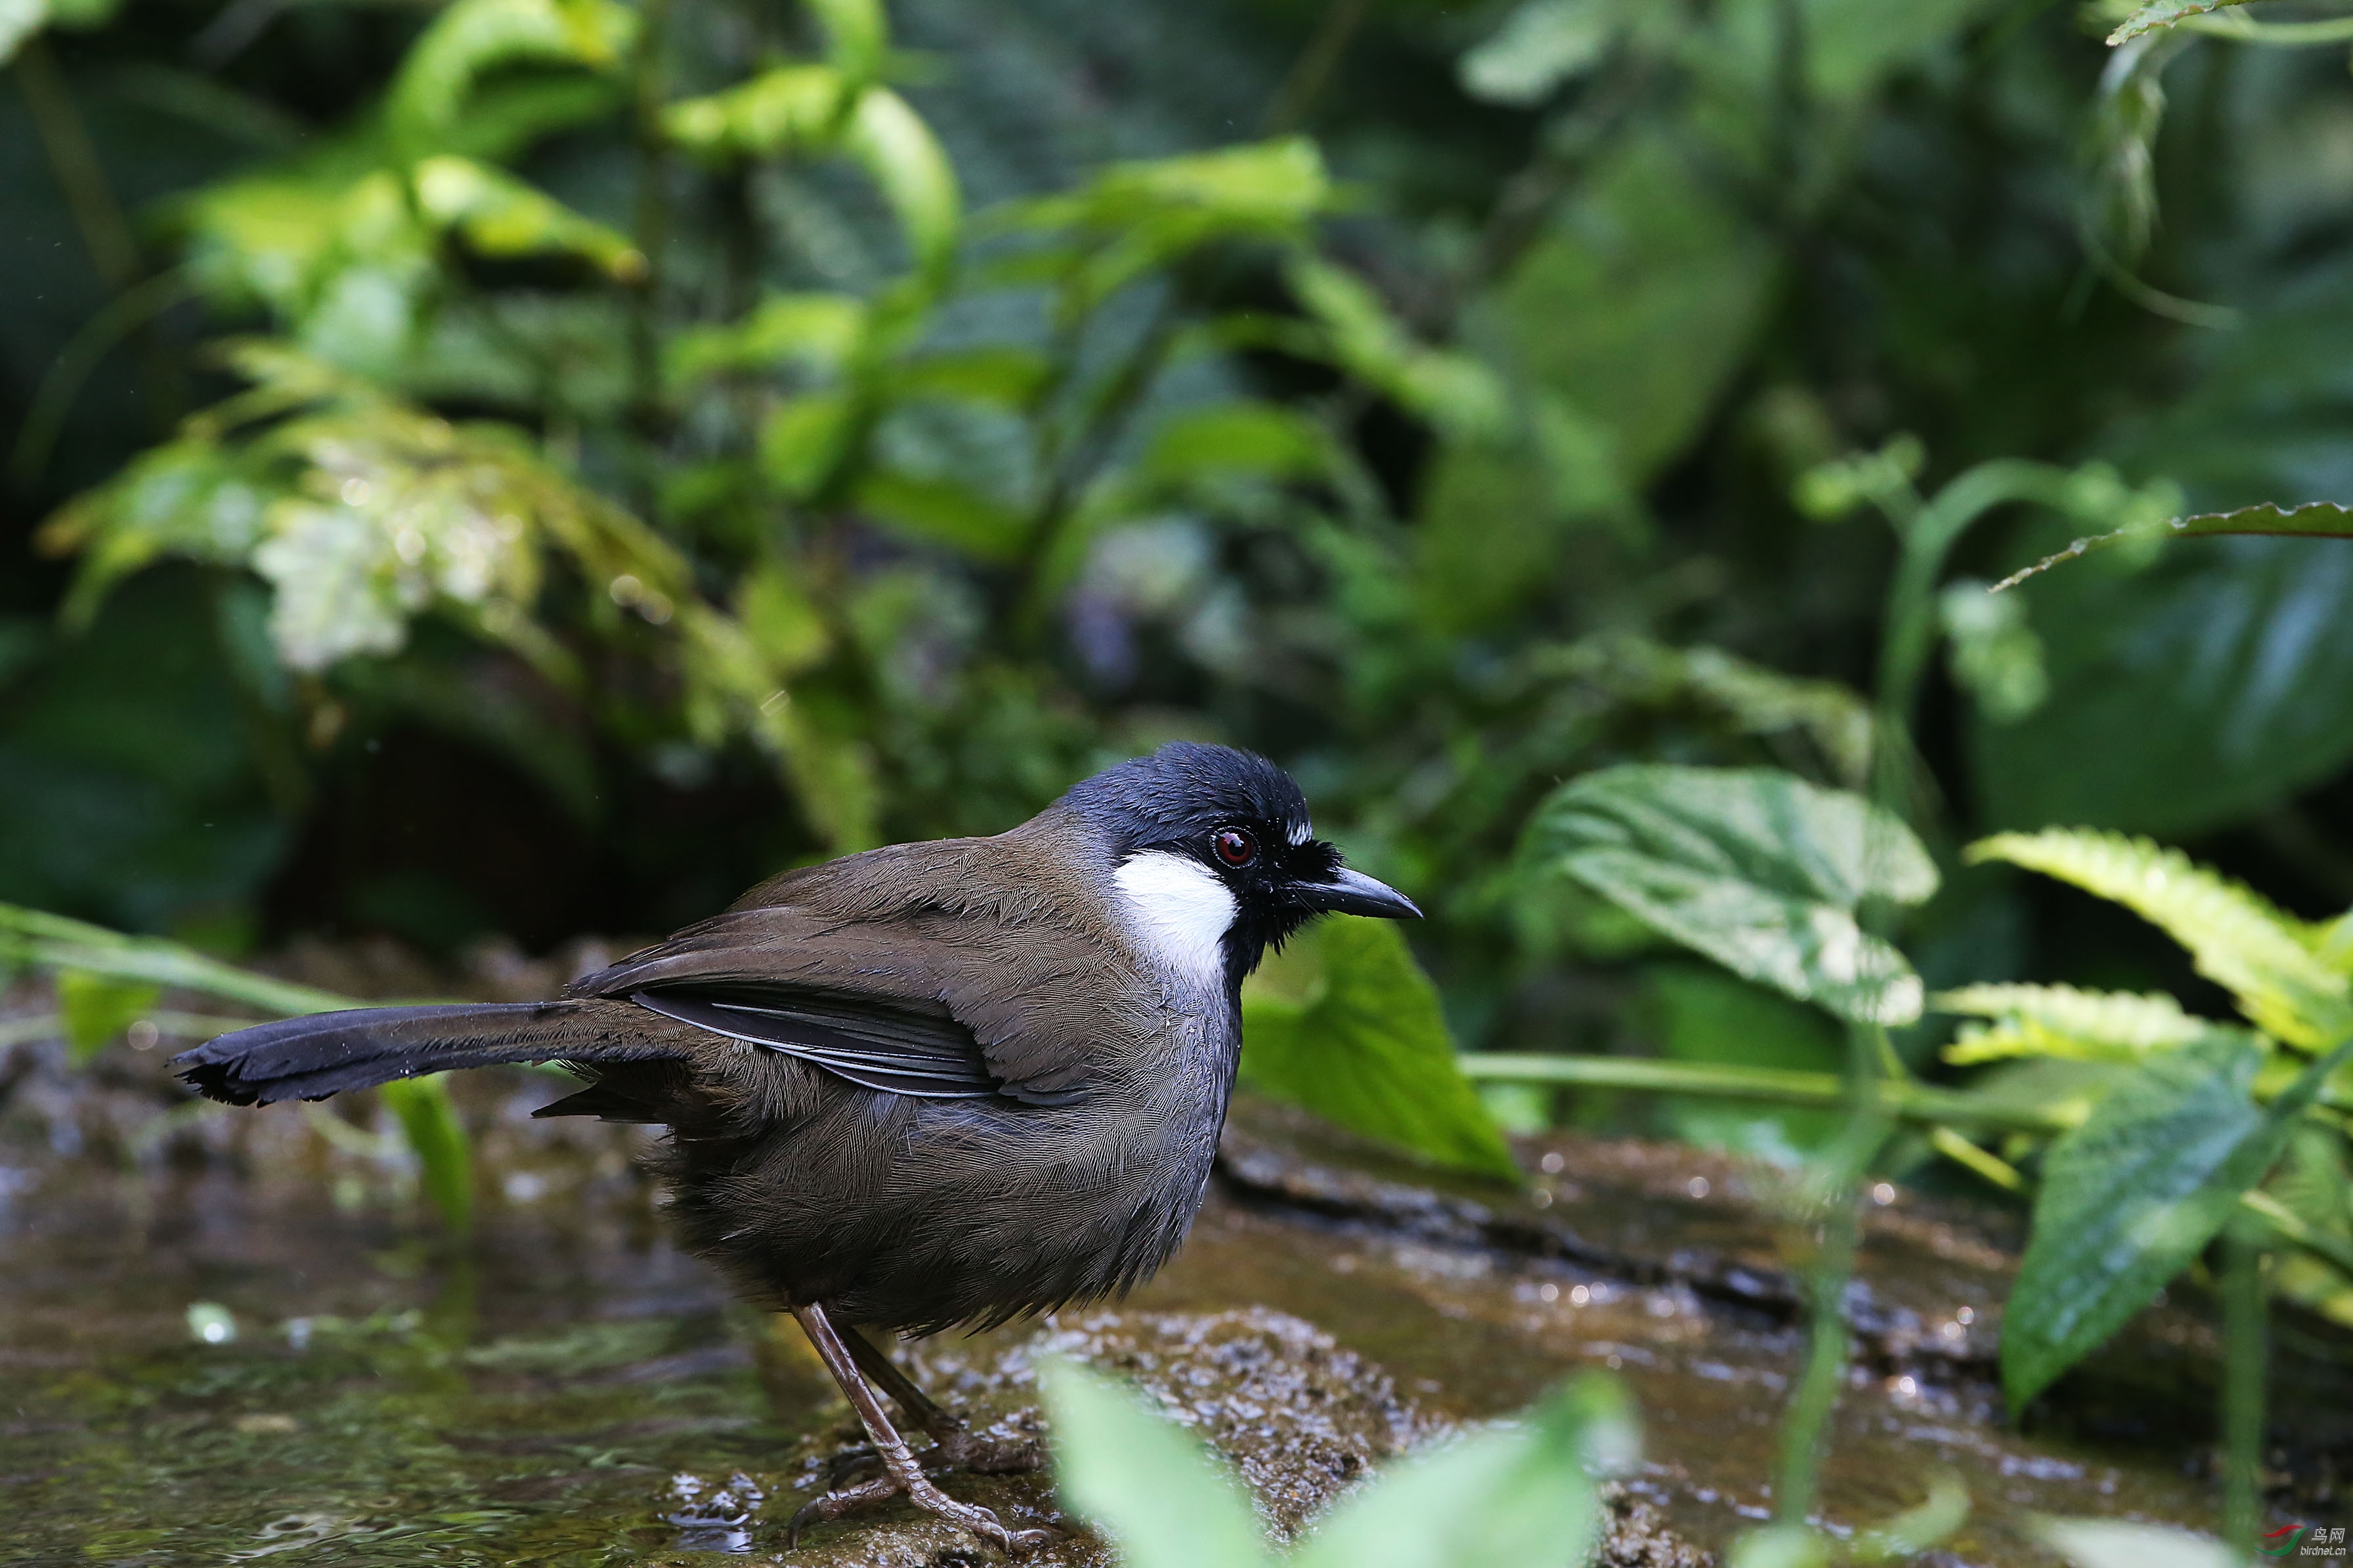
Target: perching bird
(925, 1086)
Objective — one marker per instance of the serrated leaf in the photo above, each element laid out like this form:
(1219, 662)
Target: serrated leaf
(1760, 870)
(1344, 1022)
(1161, 1498)
(2131, 1196)
(2313, 520)
(1522, 1496)
(2238, 939)
(95, 1008)
(2062, 1021)
(2163, 13)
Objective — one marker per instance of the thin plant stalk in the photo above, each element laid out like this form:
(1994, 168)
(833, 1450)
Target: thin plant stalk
(2245, 1357)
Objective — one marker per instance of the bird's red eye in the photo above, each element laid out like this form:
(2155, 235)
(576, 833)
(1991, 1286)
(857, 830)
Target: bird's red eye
(1234, 847)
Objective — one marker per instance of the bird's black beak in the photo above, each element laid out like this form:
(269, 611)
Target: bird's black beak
(1354, 893)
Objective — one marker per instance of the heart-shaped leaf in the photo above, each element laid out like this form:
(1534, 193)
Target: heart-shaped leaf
(1760, 870)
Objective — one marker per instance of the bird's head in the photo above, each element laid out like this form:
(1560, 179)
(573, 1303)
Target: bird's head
(1217, 861)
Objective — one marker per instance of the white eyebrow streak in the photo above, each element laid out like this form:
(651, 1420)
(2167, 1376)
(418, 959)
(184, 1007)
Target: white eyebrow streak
(1181, 914)
(1300, 833)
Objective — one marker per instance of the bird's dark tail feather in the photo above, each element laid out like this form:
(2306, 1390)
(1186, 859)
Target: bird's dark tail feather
(327, 1053)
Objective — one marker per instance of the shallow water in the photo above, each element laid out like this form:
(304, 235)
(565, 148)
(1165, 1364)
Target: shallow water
(569, 1389)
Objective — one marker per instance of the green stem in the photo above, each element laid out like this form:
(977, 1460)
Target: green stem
(125, 314)
(54, 941)
(1301, 88)
(1899, 1100)
(2244, 1357)
(105, 233)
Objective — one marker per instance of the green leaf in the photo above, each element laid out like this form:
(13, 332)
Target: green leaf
(819, 332)
(1344, 1022)
(1994, 653)
(2062, 1021)
(1255, 438)
(1139, 1478)
(1696, 1014)
(1759, 870)
(910, 168)
(437, 1138)
(2120, 1543)
(2131, 1196)
(97, 1007)
(791, 109)
(1454, 392)
(1521, 1496)
(805, 441)
(1637, 307)
(2313, 520)
(1541, 45)
(855, 34)
(2269, 960)
(474, 37)
(944, 512)
(501, 217)
(2163, 13)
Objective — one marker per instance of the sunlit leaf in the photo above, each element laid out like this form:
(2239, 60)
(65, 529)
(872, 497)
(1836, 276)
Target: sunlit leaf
(2062, 1021)
(2163, 13)
(789, 108)
(1541, 45)
(2269, 960)
(805, 441)
(1255, 438)
(908, 165)
(2131, 1196)
(944, 512)
(819, 332)
(1142, 1481)
(1522, 1496)
(855, 34)
(1452, 391)
(1760, 870)
(19, 20)
(1344, 1022)
(1994, 653)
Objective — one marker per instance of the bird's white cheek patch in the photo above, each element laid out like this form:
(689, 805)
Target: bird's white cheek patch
(1181, 911)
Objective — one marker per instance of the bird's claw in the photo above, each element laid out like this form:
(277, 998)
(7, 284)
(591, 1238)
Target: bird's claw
(920, 1491)
(961, 1450)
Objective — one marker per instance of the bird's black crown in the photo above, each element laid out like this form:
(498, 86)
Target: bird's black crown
(1183, 790)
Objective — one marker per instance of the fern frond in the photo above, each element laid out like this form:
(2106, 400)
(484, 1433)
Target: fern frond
(2268, 960)
(2062, 1021)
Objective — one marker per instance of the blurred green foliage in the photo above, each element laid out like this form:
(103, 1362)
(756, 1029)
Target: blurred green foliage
(535, 466)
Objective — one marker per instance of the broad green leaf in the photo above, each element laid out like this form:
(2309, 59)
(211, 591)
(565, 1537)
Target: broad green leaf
(1520, 1496)
(1456, 393)
(1142, 1481)
(2313, 520)
(97, 1007)
(2062, 1021)
(2267, 959)
(2121, 1544)
(2131, 1196)
(1007, 376)
(499, 215)
(445, 1159)
(2163, 13)
(1344, 1022)
(1759, 870)
(19, 20)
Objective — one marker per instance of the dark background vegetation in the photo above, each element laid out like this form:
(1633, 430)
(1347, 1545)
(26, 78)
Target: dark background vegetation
(1744, 238)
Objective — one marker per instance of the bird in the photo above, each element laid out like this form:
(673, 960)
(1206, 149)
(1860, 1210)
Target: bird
(942, 1084)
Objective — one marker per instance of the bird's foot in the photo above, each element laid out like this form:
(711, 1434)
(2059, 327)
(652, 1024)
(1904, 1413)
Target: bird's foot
(961, 1448)
(916, 1488)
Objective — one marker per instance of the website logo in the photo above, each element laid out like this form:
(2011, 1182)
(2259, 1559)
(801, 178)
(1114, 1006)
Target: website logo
(2303, 1541)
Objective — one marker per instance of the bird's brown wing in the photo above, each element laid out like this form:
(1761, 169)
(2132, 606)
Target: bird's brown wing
(918, 1005)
